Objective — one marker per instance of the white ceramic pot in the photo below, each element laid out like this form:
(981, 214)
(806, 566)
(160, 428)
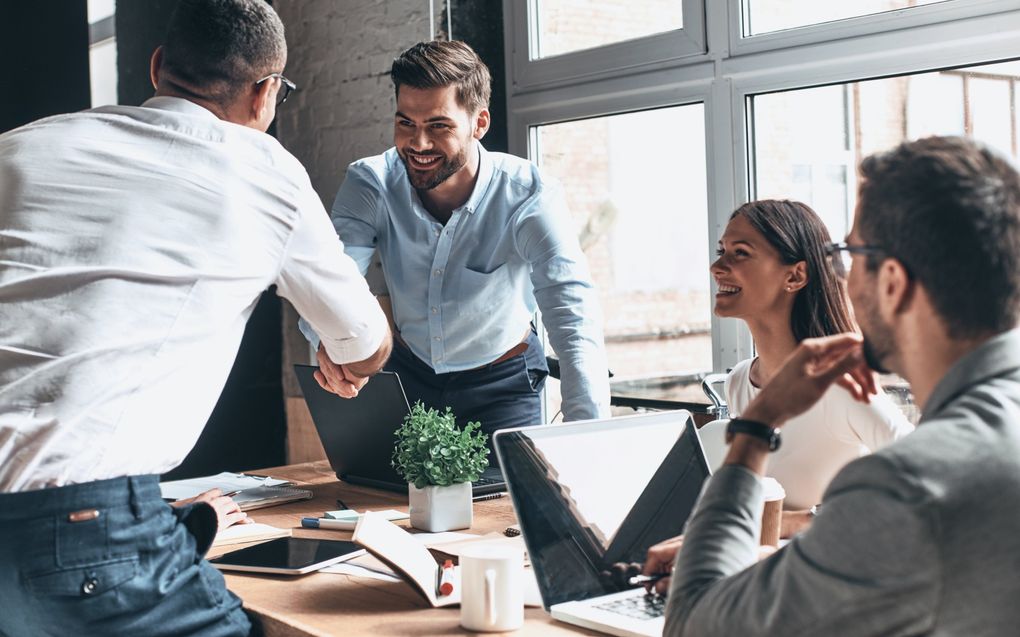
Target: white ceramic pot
(437, 509)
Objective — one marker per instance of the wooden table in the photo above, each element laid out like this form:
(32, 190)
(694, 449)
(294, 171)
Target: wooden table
(333, 604)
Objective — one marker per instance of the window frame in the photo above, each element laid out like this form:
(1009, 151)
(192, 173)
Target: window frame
(731, 70)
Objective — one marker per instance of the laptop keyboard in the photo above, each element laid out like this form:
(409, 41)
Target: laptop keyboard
(638, 607)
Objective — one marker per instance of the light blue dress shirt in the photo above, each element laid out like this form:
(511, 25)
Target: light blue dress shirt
(464, 293)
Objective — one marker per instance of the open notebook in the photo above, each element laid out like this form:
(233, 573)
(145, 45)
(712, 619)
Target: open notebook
(256, 492)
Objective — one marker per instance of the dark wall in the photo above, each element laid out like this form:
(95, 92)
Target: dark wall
(45, 46)
(248, 428)
(480, 24)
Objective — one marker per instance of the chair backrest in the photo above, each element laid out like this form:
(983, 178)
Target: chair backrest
(713, 441)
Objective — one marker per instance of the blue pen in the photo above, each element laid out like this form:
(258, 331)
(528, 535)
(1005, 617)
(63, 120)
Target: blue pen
(326, 523)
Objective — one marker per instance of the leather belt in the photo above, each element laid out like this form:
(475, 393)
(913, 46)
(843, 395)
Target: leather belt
(516, 350)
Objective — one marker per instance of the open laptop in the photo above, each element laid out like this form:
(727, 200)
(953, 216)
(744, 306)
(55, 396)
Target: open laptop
(358, 433)
(592, 493)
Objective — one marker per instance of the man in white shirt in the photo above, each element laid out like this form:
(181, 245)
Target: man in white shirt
(134, 244)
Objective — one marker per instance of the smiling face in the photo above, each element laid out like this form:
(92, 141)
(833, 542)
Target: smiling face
(752, 280)
(434, 135)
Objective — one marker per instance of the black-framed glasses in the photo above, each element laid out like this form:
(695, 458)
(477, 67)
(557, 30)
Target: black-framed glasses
(841, 253)
(285, 89)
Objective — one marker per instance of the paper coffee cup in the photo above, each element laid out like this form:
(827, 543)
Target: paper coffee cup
(772, 518)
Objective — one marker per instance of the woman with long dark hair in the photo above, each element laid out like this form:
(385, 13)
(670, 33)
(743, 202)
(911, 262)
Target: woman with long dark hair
(773, 273)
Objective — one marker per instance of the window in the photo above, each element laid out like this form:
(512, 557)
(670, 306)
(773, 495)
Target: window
(102, 52)
(763, 16)
(623, 174)
(808, 142)
(791, 94)
(571, 25)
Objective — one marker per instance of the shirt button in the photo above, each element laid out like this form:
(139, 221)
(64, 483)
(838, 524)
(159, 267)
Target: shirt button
(438, 232)
(436, 338)
(435, 310)
(438, 272)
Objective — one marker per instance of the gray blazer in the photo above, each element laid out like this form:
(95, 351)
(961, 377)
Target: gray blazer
(919, 538)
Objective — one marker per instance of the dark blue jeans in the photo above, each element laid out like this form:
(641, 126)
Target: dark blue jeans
(137, 568)
(505, 394)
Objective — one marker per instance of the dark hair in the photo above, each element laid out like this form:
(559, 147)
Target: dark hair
(948, 209)
(222, 47)
(798, 234)
(439, 63)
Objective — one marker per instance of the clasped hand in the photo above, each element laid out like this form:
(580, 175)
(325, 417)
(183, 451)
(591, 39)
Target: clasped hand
(337, 378)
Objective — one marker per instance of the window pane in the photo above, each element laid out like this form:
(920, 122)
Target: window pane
(573, 25)
(637, 191)
(808, 142)
(764, 16)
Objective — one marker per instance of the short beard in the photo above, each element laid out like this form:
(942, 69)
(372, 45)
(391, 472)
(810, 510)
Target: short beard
(873, 358)
(447, 169)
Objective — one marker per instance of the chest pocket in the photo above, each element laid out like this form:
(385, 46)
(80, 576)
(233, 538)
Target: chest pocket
(482, 292)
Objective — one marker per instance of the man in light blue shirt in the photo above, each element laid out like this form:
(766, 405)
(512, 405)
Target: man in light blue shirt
(471, 244)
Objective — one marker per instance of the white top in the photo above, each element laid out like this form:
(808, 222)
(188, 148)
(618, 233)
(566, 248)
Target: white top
(816, 444)
(134, 244)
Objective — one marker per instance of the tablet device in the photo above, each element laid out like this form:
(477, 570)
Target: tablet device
(288, 556)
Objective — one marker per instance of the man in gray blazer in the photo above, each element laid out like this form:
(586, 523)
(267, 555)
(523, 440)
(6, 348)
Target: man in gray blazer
(922, 537)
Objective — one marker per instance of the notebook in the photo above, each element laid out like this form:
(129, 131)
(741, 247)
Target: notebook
(255, 492)
(358, 433)
(591, 493)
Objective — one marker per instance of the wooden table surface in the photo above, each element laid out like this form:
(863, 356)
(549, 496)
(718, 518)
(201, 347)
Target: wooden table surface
(334, 604)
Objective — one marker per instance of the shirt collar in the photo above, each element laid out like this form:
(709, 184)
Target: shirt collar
(484, 177)
(177, 105)
(994, 357)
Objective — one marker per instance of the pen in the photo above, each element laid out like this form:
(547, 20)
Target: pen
(326, 523)
(647, 579)
(340, 503)
(446, 578)
(230, 494)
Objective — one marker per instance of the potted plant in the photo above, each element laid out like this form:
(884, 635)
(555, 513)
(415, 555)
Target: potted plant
(439, 462)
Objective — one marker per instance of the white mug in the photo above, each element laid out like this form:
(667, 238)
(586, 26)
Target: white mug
(492, 589)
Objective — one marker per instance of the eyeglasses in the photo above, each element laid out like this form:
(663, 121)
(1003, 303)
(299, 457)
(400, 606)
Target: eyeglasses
(841, 255)
(285, 90)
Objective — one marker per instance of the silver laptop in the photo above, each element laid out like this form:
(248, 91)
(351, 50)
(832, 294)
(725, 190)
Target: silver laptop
(592, 493)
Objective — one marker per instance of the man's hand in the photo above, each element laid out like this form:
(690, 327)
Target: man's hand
(337, 378)
(661, 558)
(228, 512)
(808, 372)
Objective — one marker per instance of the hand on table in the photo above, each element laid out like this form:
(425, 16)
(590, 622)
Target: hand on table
(228, 512)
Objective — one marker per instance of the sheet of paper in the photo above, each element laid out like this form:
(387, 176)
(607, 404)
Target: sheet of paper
(367, 566)
(226, 482)
(241, 533)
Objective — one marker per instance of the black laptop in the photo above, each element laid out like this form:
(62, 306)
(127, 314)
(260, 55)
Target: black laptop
(358, 433)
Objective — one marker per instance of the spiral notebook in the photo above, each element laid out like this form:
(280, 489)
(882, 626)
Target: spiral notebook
(253, 492)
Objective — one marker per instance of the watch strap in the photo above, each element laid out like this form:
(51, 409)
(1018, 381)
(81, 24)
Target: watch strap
(766, 433)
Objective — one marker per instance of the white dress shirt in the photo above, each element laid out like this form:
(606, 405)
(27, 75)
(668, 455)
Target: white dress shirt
(822, 440)
(134, 244)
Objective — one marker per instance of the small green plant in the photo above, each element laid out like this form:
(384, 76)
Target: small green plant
(431, 450)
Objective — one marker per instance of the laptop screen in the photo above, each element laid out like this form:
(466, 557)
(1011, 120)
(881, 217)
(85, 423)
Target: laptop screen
(593, 493)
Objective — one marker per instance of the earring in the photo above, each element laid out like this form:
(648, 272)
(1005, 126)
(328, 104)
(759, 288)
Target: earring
(789, 289)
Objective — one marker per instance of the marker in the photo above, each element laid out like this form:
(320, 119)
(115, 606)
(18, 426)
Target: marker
(326, 523)
(647, 579)
(446, 578)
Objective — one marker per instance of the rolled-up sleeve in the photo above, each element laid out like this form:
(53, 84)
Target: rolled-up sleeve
(328, 290)
(354, 215)
(568, 301)
(867, 566)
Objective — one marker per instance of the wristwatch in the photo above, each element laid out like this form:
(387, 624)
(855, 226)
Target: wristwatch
(766, 433)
